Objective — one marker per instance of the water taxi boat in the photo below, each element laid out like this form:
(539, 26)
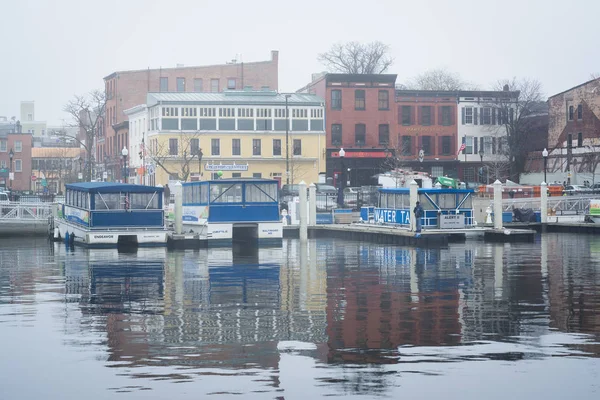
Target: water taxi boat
(225, 211)
(108, 214)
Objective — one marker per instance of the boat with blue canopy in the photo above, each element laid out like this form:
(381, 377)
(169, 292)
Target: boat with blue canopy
(105, 214)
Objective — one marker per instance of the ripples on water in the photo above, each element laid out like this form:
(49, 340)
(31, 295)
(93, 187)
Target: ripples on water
(328, 318)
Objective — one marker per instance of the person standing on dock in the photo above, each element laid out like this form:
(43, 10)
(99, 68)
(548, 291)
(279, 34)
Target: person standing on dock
(418, 211)
(167, 194)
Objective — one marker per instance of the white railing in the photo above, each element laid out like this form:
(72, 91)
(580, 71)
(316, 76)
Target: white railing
(25, 212)
(561, 204)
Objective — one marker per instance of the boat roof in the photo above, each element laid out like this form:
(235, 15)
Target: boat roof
(233, 180)
(426, 190)
(112, 187)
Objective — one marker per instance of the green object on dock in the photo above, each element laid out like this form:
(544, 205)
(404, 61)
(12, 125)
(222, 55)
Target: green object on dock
(447, 182)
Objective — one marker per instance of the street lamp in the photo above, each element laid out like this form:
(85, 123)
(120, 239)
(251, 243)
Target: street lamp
(481, 153)
(545, 155)
(287, 140)
(342, 153)
(124, 153)
(11, 154)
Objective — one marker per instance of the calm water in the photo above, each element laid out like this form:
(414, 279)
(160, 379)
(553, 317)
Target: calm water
(331, 318)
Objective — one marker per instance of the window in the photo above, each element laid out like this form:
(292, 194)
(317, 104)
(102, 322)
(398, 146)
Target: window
(487, 145)
(384, 100)
(336, 99)
(469, 174)
(214, 85)
(195, 146)
(3, 145)
(336, 134)
(580, 139)
(569, 140)
(467, 115)
(197, 84)
(173, 147)
(406, 145)
(469, 145)
(580, 112)
(3, 164)
(181, 84)
(446, 145)
(257, 175)
(276, 147)
(18, 165)
(406, 113)
(486, 116)
(437, 170)
(571, 113)
(215, 147)
(425, 115)
(256, 150)
(29, 117)
(236, 147)
(164, 84)
(18, 146)
(426, 145)
(236, 174)
(446, 115)
(297, 147)
(384, 133)
(359, 134)
(231, 83)
(359, 99)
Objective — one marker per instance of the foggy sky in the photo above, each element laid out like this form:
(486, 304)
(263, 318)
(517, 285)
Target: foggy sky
(53, 49)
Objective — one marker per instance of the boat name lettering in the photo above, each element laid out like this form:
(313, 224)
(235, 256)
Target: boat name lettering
(104, 236)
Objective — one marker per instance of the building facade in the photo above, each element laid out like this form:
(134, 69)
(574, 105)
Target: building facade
(19, 166)
(482, 117)
(361, 119)
(126, 89)
(54, 167)
(574, 132)
(28, 122)
(427, 132)
(237, 134)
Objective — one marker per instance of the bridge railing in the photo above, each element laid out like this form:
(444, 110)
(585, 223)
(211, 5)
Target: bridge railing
(573, 205)
(25, 212)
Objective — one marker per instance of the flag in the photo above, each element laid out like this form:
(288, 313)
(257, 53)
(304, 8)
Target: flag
(462, 147)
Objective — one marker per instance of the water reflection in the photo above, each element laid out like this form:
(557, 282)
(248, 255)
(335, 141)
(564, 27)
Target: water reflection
(320, 318)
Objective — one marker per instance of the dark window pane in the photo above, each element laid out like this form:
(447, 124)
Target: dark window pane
(359, 99)
(189, 124)
(384, 100)
(164, 84)
(406, 145)
(336, 134)
(406, 115)
(359, 134)
(181, 84)
(297, 147)
(336, 99)
(170, 124)
(384, 133)
(215, 147)
(276, 147)
(256, 147)
(236, 147)
(173, 147)
(425, 115)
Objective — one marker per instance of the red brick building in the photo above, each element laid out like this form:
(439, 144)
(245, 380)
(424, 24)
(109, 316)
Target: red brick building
(427, 127)
(20, 145)
(361, 119)
(126, 89)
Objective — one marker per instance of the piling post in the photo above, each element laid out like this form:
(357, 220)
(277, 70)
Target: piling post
(544, 202)
(303, 211)
(178, 214)
(413, 198)
(497, 205)
(312, 203)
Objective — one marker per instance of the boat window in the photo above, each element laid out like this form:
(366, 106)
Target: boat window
(225, 193)
(144, 201)
(425, 203)
(468, 202)
(447, 201)
(261, 193)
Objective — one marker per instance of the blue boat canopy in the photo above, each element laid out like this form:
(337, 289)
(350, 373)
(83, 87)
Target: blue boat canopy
(112, 187)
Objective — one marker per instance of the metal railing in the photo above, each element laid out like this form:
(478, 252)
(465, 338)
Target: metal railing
(25, 212)
(563, 205)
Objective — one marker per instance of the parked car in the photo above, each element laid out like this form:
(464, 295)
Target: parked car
(571, 190)
(289, 190)
(326, 197)
(595, 188)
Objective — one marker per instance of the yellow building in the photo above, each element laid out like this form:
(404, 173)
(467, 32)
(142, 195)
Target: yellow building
(53, 168)
(237, 134)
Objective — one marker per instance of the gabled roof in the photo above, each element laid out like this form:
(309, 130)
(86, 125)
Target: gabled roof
(575, 87)
(112, 187)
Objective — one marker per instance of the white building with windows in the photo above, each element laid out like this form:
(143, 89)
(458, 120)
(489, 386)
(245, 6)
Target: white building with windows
(482, 116)
(233, 134)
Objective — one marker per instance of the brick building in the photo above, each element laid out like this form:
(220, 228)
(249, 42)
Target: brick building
(427, 127)
(20, 145)
(361, 119)
(126, 89)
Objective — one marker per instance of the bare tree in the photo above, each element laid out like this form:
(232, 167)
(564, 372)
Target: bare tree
(357, 58)
(437, 79)
(178, 165)
(515, 109)
(86, 113)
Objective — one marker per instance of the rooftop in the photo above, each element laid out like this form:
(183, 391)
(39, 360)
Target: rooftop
(234, 97)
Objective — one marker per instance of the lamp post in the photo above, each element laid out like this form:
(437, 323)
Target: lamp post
(545, 155)
(80, 167)
(124, 153)
(342, 153)
(481, 153)
(287, 140)
(11, 154)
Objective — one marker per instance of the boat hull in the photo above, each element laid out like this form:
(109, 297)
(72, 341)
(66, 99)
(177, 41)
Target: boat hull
(84, 236)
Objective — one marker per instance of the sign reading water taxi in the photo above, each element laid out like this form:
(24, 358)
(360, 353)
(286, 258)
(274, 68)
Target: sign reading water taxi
(390, 216)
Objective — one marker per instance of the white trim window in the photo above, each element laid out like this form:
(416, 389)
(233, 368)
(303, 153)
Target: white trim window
(3, 145)
(468, 115)
(18, 146)
(18, 166)
(469, 144)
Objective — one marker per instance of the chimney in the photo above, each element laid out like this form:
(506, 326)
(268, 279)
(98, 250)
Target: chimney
(275, 55)
(505, 88)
